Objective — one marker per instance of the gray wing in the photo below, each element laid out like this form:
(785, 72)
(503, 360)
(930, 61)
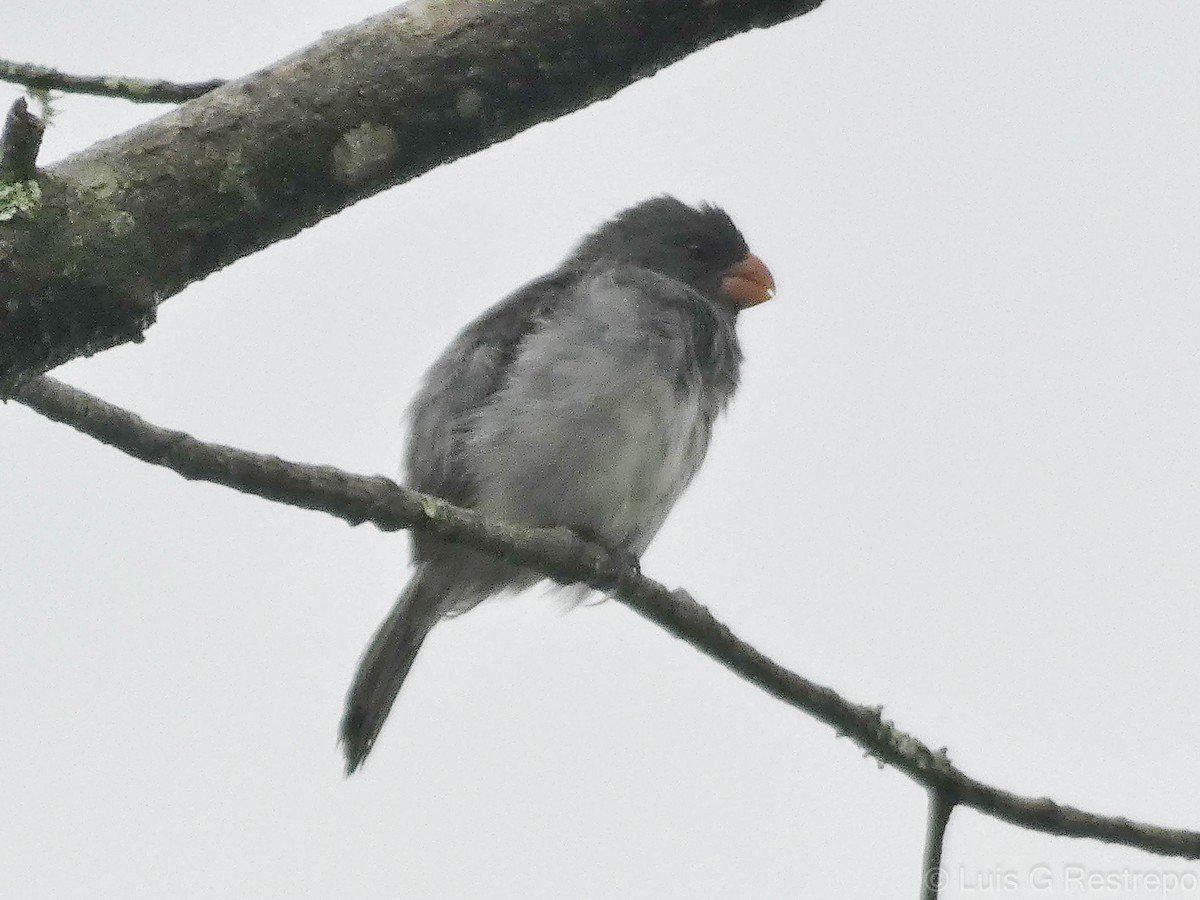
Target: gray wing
(470, 370)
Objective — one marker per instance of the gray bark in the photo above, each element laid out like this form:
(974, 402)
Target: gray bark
(133, 220)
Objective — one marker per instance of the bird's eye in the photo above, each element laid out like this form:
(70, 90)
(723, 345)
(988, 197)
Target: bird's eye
(697, 251)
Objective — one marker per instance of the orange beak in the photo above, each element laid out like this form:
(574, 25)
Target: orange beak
(748, 282)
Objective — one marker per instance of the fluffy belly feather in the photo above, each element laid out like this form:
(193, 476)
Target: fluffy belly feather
(611, 469)
(655, 443)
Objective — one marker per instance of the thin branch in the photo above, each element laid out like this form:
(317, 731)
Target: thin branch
(139, 90)
(19, 144)
(940, 807)
(560, 555)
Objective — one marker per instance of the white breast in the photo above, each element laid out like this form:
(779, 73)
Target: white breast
(660, 444)
(591, 429)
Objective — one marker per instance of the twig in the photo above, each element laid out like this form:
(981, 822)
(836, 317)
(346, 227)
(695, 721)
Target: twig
(562, 556)
(139, 90)
(940, 807)
(19, 144)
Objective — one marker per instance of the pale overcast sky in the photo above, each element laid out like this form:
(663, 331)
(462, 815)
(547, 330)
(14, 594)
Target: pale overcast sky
(961, 480)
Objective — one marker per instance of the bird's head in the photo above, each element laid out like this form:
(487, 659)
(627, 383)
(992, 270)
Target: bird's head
(698, 246)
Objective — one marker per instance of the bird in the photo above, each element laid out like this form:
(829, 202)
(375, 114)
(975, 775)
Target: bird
(584, 399)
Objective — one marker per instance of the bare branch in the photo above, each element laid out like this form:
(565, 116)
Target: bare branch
(940, 807)
(560, 555)
(19, 144)
(133, 220)
(139, 90)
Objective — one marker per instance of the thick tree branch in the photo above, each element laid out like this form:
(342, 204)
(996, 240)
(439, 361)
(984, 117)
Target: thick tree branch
(135, 219)
(563, 557)
(139, 90)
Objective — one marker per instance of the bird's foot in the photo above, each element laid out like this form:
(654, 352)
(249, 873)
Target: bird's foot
(629, 566)
(625, 561)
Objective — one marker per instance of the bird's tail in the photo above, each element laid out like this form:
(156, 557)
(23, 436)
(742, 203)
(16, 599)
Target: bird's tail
(387, 660)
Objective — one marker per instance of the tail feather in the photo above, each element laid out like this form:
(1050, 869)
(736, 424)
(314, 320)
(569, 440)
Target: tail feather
(386, 662)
